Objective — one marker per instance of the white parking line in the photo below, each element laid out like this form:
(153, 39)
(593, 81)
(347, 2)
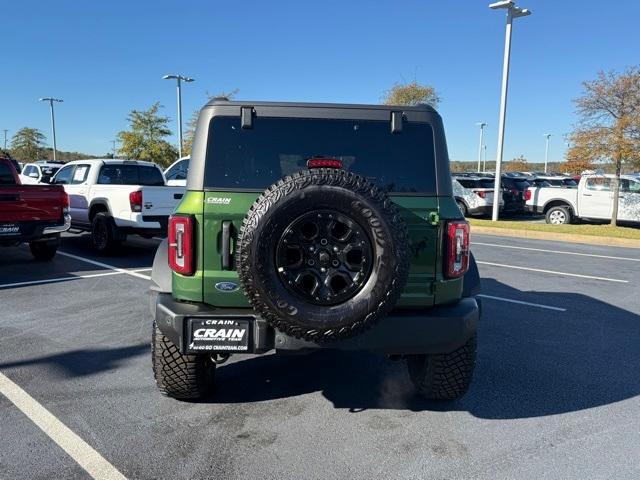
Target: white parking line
(520, 302)
(80, 451)
(65, 279)
(105, 265)
(553, 272)
(562, 252)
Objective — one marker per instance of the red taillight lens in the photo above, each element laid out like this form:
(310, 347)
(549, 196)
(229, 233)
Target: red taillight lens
(135, 200)
(322, 162)
(65, 202)
(527, 195)
(456, 249)
(480, 193)
(181, 244)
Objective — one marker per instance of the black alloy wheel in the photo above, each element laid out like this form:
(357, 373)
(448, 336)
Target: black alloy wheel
(324, 257)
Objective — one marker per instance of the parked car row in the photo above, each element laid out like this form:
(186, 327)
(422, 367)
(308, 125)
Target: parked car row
(591, 200)
(112, 198)
(515, 189)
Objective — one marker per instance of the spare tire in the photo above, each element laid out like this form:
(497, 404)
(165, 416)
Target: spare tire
(323, 254)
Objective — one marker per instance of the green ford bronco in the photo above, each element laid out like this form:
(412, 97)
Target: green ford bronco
(316, 226)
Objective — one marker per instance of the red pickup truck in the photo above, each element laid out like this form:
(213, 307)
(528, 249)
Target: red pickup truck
(33, 214)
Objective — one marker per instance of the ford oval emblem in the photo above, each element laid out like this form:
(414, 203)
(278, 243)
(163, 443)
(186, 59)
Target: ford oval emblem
(226, 286)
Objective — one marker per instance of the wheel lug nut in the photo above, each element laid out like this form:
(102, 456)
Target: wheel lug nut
(323, 241)
(311, 262)
(323, 269)
(335, 249)
(311, 249)
(335, 263)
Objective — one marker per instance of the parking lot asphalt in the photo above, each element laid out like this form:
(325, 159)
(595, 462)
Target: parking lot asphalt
(555, 393)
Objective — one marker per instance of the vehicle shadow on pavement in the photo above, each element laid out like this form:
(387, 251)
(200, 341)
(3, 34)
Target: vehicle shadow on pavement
(83, 362)
(531, 362)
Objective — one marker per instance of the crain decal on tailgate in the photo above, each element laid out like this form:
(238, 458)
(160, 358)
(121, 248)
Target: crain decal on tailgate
(219, 200)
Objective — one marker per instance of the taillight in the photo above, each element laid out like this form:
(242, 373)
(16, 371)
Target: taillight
(527, 195)
(480, 193)
(181, 244)
(456, 249)
(135, 200)
(65, 202)
(323, 162)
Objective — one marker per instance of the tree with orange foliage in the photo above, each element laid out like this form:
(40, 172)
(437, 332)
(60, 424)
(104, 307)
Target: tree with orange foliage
(609, 125)
(516, 165)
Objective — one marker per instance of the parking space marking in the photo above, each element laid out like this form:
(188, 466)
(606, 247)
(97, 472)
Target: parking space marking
(65, 279)
(563, 252)
(80, 451)
(106, 265)
(520, 302)
(553, 272)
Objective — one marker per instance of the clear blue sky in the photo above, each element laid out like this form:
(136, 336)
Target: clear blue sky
(105, 58)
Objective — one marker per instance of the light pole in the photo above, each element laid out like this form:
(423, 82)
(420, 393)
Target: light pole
(179, 79)
(512, 12)
(546, 150)
(5, 138)
(482, 125)
(53, 121)
(484, 158)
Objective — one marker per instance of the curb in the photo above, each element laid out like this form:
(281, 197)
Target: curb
(561, 237)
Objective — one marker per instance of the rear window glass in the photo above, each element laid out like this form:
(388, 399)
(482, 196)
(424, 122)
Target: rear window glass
(255, 158)
(130, 175)
(6, 175)
(468, 183)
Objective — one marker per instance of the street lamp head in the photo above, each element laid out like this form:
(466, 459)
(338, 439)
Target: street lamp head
(547, 135)
(481, 124)
(178, 77)
(520, 12)
(502, 4)
(51, 99)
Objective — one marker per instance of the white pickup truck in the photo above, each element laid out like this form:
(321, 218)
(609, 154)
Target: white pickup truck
(115, 198)
(592, 200)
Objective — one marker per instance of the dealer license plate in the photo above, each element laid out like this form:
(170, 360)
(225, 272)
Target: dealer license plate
(216, 335)
(9, 229)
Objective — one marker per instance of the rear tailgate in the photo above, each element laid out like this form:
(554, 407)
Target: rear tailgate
(160, 201)
(27, 203)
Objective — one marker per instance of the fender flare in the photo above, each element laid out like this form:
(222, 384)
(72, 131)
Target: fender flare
(471, 285)
(161, 276)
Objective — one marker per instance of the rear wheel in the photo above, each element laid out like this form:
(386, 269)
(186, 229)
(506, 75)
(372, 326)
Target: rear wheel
(43, 251)
(443, 376)
(558, 215)
(104, 234)
(463, 208)
(185, 377)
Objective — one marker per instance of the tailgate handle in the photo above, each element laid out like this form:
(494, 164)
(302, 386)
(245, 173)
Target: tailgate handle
(226, 245)
(178, 196)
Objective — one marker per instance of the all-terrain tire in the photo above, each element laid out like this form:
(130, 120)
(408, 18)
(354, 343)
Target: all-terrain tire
(443, 376)
(324, 191)
(184, 377)
(43, 251)
(104, 234)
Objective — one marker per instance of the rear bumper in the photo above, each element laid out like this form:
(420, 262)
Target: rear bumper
(34, 231)
(439, 329)
(533, 209)
(138, 223)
